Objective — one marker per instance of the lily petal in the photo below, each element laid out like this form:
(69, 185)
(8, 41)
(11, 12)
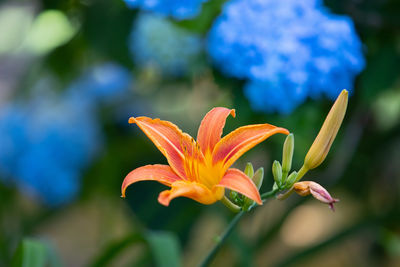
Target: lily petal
(160, 173)
(236, 180)
(238, 142)
(168, 138)
(211, 127)
(193, 190)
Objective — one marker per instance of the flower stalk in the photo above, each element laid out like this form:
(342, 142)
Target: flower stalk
(221, 240)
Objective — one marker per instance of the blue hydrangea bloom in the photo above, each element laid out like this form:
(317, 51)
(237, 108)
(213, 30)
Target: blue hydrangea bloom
(46, 144)
(40, 175)
(282, 97)
(179, 9)
(13, 138)
(155, 41)
(103, 83)
(287, 50)
(48, 140)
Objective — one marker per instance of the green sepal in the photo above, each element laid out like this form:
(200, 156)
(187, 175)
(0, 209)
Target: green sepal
(249, 170)
(291, 180)
(277, 173)
(258, 177)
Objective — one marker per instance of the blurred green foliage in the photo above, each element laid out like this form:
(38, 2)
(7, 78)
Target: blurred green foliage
(30, 253)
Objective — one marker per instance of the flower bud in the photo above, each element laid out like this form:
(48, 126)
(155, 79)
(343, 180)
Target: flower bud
(322, 143)
(291, 179)
(277, 172)
(305, 188)
(249, 170)
(258, 177)
(287, 155)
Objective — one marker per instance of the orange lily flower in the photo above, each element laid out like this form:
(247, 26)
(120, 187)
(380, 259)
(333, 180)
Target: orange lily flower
(200, 170)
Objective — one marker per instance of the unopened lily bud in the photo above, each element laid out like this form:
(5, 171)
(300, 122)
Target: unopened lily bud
(287, 155)
(249, 170)
(307, 187)
(258, 177)
(291, 179)
(322, 143)
(277, 172)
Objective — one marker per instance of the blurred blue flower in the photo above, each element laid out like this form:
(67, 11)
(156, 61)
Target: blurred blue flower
(288, 50)
(155, 41)
(176, 8)
(46, 143)
(40, 175)
(282, 97)
(49, 139)
(103, 83)
(13, 137)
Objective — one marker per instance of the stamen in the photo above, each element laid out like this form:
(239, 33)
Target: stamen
(185, 163)
(196, 165)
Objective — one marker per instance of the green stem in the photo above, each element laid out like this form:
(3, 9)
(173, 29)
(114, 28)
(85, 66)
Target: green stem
(269, 194)
(301, 173)
(207, 260)
(221, 239)
(303, 170)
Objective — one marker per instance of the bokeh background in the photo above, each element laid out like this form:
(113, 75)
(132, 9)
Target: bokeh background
(73, 71)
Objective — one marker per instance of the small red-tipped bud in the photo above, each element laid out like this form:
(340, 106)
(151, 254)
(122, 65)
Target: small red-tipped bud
(307, 187)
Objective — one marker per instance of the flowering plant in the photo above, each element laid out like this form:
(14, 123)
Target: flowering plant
(200, 169)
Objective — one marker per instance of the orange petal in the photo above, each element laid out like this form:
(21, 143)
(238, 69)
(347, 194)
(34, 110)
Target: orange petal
(193, 190)
(236, 143)
(236, 180)
(211, 127)
(168, 138)
(160, 173)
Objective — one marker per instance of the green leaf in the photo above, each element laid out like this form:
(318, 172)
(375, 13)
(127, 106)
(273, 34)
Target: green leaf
(116, 248)
(165, 248)
(30, 253)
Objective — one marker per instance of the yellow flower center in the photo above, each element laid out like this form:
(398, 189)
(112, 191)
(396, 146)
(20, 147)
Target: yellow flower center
(200, 169)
